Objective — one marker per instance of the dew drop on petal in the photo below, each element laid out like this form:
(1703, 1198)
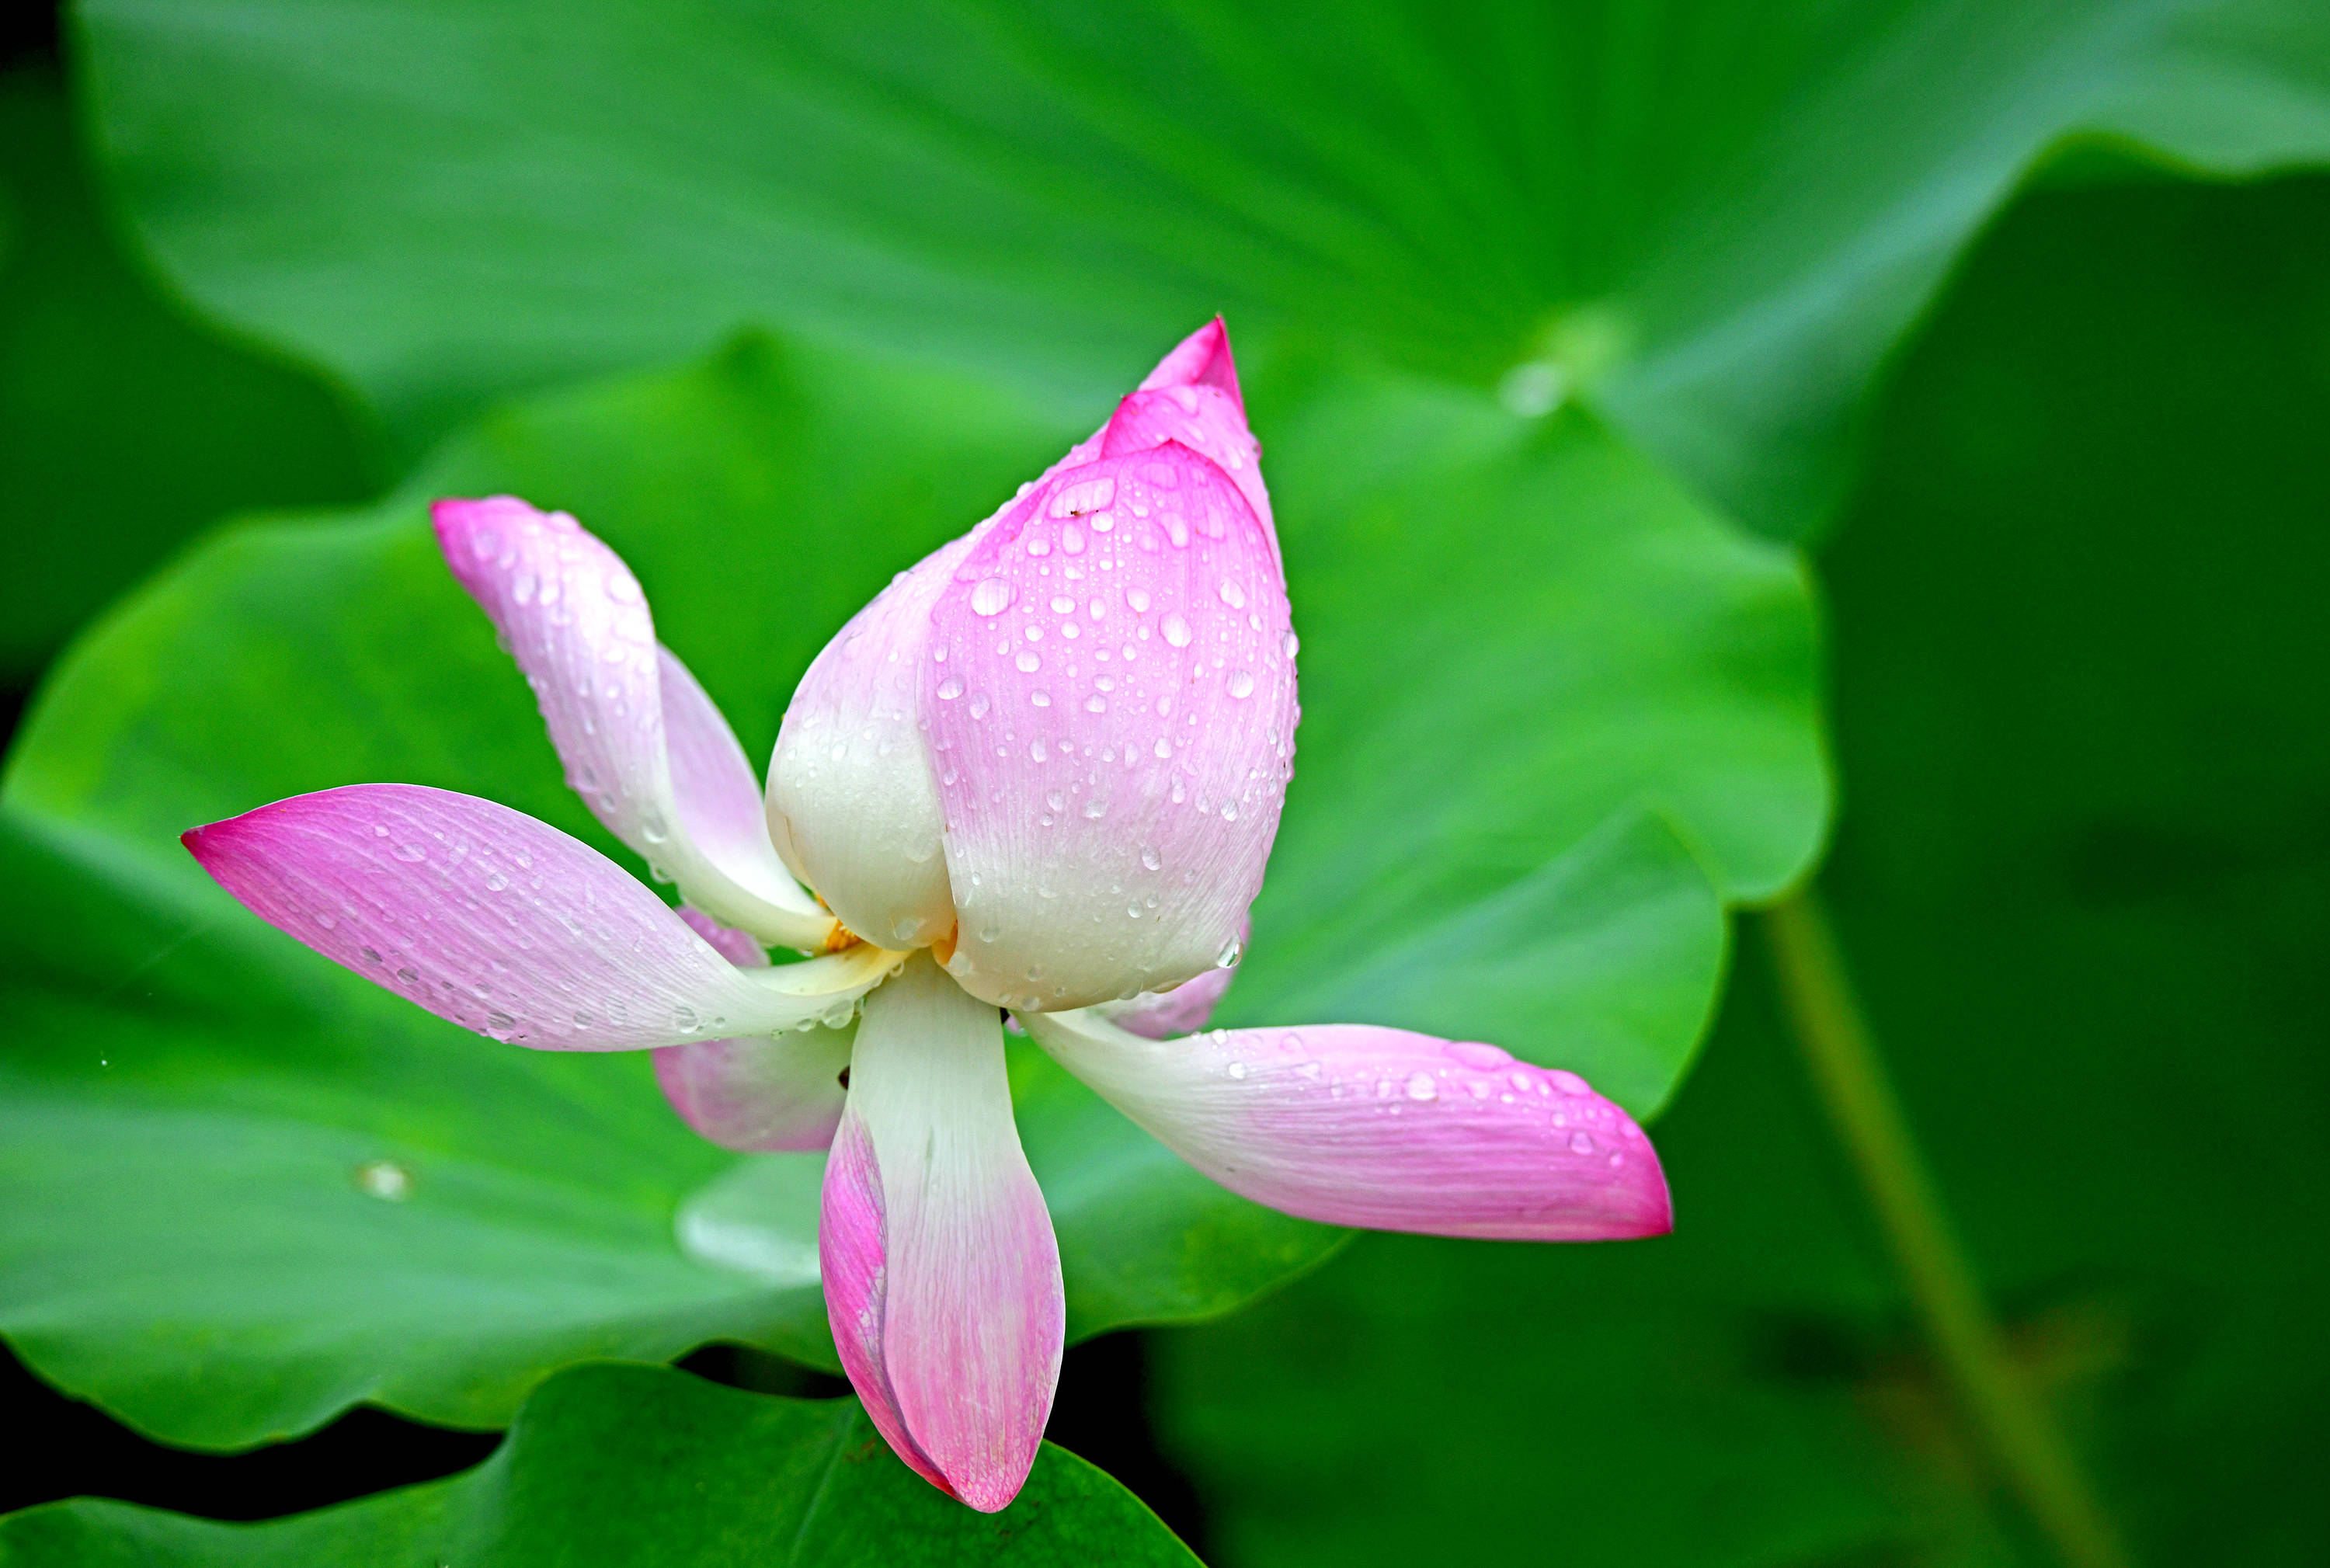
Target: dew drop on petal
(950, 689)
(1177, 631)
(1420, 1086)
(1241, 684)
(992, 596)
(1232, 594)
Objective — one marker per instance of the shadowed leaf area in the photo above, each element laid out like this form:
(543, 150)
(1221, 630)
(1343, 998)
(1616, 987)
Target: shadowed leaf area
(636, 1464)
(2084, 733)
(125, 424)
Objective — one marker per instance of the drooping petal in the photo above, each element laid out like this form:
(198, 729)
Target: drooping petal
(760, 1092)
(643, 744)
(852, 802)
(503, 924)
(941, 1276)
(1183, 1010)
(1357, 1125)
(1114, 727)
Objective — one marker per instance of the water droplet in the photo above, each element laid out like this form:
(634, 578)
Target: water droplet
(1580, 1143)
(1293, 645)
(1237, 1069)
(495, 882)
(1241, 684)
(1232, 594)
(1486, 1057)
(1177, 530)
(1038, 545)
(1177, 630)
(411, 852)
(1095, 808)
(1028, 661)
(1151, 859)
(1232, 952)
(1568, 1083)
(385, 1179)
(950, 689)
(1420, 1086)
(991, 597)
(1039, 699)
(1096, 703)
(979, 706)
(1139, 598)
(685, 1020)
(1086, 496)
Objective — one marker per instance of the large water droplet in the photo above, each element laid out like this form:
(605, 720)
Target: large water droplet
(1096, 703)
(1151, 859)
(950, 689)
(411, 852)
(1177, 630)
(1232, 594)
(1580, 1143)
(992, 596)
(1420, 1086)
(1028, 661)
(1241, 684)
(1139, 598)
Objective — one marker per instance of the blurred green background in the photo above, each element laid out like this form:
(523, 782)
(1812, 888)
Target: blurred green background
(2080, 707)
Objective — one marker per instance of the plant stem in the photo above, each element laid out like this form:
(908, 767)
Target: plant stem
(2005, 1412)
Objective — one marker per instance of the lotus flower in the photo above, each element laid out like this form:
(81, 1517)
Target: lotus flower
(1041, 771)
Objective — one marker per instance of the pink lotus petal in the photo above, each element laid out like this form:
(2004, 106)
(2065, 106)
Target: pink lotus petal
(1182, 1010)
(941, 1276)
(1192, 398)
(643, 744)
(852, 803)
(1202, 359)
(1114, 726)
(503, 924)
(1357, 1125)
(759, 1092)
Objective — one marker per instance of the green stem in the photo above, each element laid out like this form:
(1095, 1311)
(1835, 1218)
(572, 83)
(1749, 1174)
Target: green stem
(2005, 1412)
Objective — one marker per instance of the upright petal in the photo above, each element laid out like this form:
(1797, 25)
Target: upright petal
(503, 924)
(643, 744)
(852, 803)
(1357, 1125)
(1192, 397)
(941, 1276)
(756, 1093)
(1114, 726)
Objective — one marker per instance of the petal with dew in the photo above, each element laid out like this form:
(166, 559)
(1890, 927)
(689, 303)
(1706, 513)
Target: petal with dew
(941, 1275)
(1114, 730)
(755, 1092)
(1357, 1125)
(1183, 1010)
(1192, 397)
(503, 924)
(642, 743)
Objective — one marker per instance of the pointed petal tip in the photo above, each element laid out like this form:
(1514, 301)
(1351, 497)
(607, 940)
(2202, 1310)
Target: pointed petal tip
(1201, 359)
